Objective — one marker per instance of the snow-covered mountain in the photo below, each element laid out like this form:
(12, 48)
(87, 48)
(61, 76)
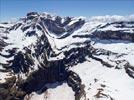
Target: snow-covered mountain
(48, 57)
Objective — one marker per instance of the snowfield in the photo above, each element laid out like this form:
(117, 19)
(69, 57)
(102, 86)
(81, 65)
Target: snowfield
(111, 83)
(120, 47)
(55, 93)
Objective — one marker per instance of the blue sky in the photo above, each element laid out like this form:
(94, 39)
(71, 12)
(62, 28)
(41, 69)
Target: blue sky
(18, 8)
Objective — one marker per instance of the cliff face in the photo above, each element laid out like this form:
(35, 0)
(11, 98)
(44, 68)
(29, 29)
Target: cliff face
(116, 30)
(42, 49)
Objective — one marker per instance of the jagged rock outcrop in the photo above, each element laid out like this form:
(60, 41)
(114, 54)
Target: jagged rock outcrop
(129, 70)
(74, 81)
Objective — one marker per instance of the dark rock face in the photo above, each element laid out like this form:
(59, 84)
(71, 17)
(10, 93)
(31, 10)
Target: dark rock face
(58, 28)
(75, 25)
(15, 27)
(32, 15)
(58, 20)
(67, 21)
(122, 24)
(121, 34)
(50, 74)
(31, 33)
(8, 90)
(74, 81)
(21, 63)
(24, 28)
(2, 44)
(54, 27)
(129, 70)
(117, 35)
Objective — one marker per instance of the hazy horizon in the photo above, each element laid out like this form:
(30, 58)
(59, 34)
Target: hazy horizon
(10, 9)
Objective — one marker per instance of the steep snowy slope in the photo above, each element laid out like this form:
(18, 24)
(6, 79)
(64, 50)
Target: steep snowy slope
(48, 57)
